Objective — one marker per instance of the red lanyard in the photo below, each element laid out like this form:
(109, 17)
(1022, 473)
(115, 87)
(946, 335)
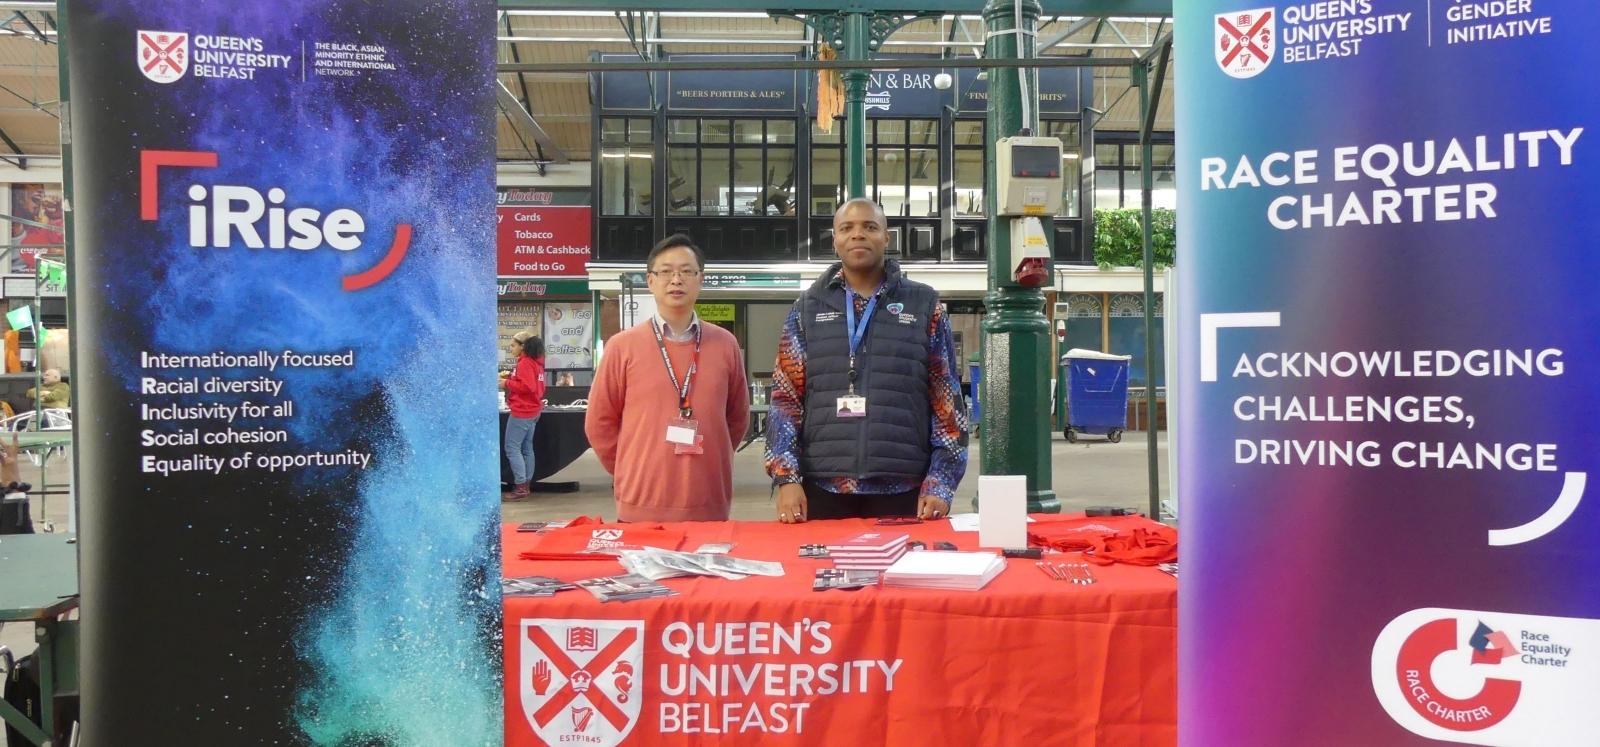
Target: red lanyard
(688, 377)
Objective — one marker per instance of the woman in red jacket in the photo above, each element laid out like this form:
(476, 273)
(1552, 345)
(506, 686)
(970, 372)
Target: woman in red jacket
(525, 396)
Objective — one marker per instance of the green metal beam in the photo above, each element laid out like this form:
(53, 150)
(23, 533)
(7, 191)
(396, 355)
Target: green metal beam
(12, 144)
(537, 151)
(1135, 8)
(1157, 82)
(31, 27)
(714, 64)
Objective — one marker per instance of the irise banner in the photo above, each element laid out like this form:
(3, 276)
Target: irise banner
(1389, 407)
(287, 455)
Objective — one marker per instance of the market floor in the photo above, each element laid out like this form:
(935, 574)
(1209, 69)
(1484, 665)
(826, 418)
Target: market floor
(1090, 473)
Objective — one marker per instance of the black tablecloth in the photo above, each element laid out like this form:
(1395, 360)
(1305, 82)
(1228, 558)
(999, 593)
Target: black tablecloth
(558, 440)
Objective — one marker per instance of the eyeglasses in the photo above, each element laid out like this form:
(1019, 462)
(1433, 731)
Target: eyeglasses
(674, 274)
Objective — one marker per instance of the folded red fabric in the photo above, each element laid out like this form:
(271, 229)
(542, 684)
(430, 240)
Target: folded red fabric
(1105, 540)
(588, 539)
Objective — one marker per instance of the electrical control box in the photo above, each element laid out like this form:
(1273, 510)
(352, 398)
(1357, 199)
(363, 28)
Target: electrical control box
(1030, 252)
(1028, 175)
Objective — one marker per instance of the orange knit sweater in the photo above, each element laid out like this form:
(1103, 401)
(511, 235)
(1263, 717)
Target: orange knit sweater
(630, 405)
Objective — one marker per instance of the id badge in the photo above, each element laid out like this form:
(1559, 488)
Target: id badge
(684, 435)
(851, 406)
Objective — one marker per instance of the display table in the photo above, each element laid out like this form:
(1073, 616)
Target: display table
(40, 584)
(1025, 661)
(44, 444)
(558, 440)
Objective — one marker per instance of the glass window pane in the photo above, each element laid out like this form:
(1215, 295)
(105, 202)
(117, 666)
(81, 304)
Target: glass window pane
(1161, 155)
(1071, 178)
(1130, 154)
(832, 136)
(891, 181)
(1165, 194)
(825, 181)
(612, 130)
(1068, 133)
(680, 130)
(780, 131)
(891, 131)
(1127, 338)
(1065, 129)
(748, 183)
(969, 182)
(680, 180)
(1106, 155)
(923, 168)
(779, 196)
(1130, 191)
(1107, 192)
(969, 132)
(747, 131)
(638, 130)
(924, 132)
(613, 187)
(641, 179)
(714, 130)
(1083, 321)
(714, 187)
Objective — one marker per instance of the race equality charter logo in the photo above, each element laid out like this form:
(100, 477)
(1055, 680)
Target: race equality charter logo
(579, 679)
(163, 56)
(1489, 678)
(1488, 706)
(1245, 41)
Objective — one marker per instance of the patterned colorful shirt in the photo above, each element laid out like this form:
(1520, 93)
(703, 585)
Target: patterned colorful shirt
(948, 461)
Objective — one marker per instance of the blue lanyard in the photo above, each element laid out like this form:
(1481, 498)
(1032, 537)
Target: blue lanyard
(857, 331)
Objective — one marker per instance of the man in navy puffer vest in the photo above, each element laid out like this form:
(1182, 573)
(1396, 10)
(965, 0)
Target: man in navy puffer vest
(867, 418)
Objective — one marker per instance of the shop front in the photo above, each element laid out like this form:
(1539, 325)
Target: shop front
(739, 161)
(543, 248)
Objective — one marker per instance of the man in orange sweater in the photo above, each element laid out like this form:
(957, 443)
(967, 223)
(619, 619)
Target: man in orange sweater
(670, 400)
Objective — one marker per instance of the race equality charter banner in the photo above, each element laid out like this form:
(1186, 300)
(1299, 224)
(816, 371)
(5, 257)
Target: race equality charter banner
(1389, 361)
(284, 215)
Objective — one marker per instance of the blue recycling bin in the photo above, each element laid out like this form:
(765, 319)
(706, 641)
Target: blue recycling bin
(1097, 393)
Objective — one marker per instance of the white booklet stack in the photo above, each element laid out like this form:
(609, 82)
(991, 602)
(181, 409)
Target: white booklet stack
(871, 551)
(958, 571)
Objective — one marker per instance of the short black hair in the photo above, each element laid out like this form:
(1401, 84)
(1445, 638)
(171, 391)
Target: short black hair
(533, 347)
(676, 241)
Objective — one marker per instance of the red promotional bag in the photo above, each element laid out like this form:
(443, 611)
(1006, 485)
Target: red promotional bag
(587, 539)
(1104, 540)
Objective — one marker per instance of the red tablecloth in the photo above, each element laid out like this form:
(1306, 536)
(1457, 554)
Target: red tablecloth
(1026, 661)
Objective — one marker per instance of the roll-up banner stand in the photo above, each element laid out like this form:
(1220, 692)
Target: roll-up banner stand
(1388, 226)
(284, 298)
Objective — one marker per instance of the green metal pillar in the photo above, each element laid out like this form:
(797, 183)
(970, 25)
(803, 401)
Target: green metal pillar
(1015, 394)
(857, 43)
(1149, 99)
(1141, 76)
(69, 234)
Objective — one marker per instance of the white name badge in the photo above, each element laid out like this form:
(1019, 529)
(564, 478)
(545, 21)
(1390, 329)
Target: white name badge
(851, 406)
(681, 432)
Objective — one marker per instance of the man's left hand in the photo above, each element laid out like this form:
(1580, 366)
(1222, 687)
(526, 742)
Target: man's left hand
(930, 507)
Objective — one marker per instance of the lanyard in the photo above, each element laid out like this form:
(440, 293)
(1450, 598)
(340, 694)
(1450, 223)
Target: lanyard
(683, 390)
(857, 331)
